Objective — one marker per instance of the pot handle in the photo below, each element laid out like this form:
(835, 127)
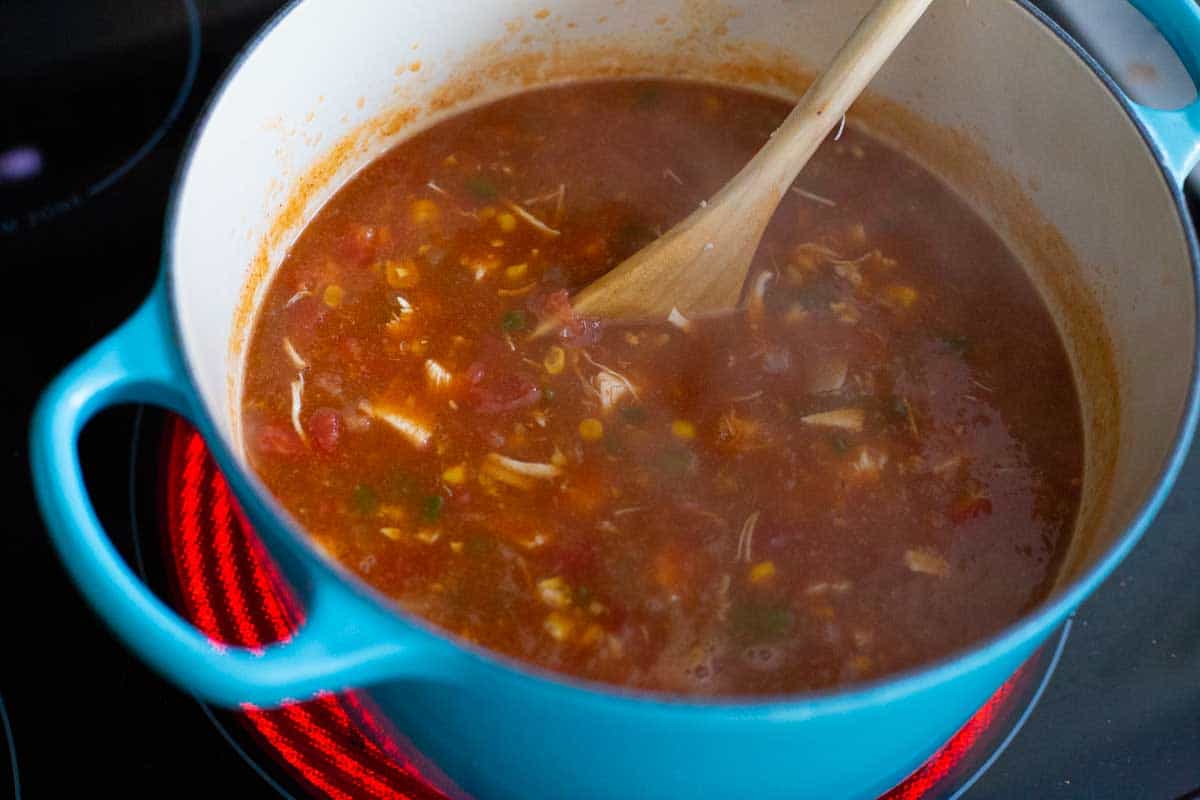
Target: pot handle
(1176, 133)
(344, 642)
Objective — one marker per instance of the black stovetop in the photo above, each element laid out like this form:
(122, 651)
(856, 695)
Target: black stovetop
(96, 104)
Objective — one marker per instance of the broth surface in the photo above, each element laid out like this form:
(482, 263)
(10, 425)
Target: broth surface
(874, 463)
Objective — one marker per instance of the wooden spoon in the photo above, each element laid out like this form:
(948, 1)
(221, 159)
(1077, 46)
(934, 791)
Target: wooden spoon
(700, 265)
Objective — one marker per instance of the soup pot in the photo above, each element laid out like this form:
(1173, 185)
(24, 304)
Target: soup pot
(1084, 184)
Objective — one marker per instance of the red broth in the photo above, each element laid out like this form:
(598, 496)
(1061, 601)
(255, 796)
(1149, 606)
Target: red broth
(875, 462)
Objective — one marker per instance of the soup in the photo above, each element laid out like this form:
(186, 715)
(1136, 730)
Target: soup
(874, 462)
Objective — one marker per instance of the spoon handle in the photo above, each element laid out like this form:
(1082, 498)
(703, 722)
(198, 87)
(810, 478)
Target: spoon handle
(828, 99)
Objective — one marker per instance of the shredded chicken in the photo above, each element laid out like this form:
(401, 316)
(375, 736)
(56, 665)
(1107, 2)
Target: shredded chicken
(745, 544)
(298, 296)
(297, 361)
(531, 219)
(297, 400)
(608, 385)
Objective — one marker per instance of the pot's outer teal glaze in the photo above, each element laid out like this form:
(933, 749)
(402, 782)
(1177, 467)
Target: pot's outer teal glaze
(500, 730)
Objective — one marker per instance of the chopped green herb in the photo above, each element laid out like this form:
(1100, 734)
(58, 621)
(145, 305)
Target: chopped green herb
(365, 500)
(481, 188)
(613, 445)
(634, 415)
(548, 394)
(840, 444)
(900, 407)
(513, 321)
(959, 344)
(431, 507)
(583, 595)
(756, 622)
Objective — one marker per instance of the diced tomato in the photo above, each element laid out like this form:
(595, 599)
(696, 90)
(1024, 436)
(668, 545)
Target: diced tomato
(970, 507)
(325, 429)
(506, 391)
(276, 440)
(557, 306)
(360, 243)
(670, 569)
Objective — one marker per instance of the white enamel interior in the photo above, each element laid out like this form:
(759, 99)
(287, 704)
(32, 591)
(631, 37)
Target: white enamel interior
(986, 67)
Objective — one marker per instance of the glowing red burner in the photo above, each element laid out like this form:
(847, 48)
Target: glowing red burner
(336, 746)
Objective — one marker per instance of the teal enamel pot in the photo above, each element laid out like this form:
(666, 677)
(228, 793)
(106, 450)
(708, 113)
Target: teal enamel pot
(1084, 184)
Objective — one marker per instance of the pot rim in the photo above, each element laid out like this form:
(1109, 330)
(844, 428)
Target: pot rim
(1038, 622)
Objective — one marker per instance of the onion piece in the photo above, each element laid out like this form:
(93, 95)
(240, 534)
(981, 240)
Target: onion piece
(517, 474)
(677, 319)
(926, 561)
(437, 376)
(418, 434)
(816, 198)
(531, 219)
(848, 419)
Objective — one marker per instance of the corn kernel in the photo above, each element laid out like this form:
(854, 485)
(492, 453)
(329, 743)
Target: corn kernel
(401, 274)
(333, 295)
(858, 233)
(450, 160)
(592, 635)
(902, 295)
(487, 212)
(506, 221)
(516, 272)
(762, 572)
(558, 625)
(424, 211)
(456, 475)
(795, 314)
(392, 533)
(682, 429)
(591, 429)
(419, 347)
(555, 360)
(429, 535)
(554, 592)
(456, 547)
